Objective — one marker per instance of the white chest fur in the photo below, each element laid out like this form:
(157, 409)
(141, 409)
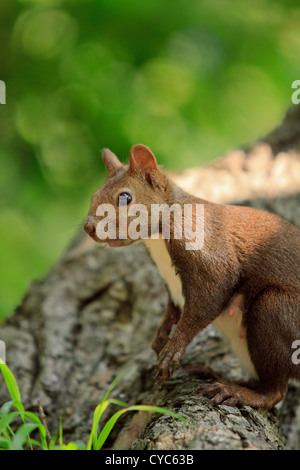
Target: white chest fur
(229, 321)
(160, 255)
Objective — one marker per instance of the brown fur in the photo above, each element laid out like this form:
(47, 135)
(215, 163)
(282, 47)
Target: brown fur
(250, 260)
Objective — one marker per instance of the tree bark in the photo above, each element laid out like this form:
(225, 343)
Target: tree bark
(96, 311)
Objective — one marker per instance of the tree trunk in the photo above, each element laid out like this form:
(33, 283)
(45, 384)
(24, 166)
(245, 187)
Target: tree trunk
(96, 311)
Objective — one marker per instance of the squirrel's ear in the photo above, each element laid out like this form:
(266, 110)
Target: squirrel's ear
(142, 159)
(111, 161)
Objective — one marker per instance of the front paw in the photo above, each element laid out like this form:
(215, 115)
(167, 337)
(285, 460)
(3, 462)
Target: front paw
(168, 361)
(159, 343)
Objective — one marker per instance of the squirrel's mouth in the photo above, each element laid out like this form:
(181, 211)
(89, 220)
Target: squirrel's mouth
(112, 242)
(116, 243)
(109, 242)
(119, 243)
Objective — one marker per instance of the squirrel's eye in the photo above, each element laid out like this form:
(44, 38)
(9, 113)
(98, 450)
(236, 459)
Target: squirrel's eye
(124, 198)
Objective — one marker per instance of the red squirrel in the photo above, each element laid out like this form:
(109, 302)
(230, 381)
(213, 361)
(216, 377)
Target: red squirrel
(244, 279)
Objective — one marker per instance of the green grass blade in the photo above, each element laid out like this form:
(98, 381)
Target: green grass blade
(163, 411)
(60, 433)
(52, 442)
(107, 429)
(42, 430)
(13, 403)
(7, 419)
(12, 387)
(4, 444)
(22, 436)
(5, 432)
(112, 421)
(6, 407)
(37, 443)
(10, 382)
(113, 384)
(118, 402)
(99, 410)
(102, 407)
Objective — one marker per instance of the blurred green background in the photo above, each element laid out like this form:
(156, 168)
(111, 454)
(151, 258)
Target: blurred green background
(189, 79)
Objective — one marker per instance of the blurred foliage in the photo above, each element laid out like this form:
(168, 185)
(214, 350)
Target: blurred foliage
(191, 80)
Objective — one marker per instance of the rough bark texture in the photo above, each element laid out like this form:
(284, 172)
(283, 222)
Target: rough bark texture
(96, 311)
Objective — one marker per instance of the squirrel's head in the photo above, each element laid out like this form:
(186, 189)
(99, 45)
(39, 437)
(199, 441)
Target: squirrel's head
(121, 208)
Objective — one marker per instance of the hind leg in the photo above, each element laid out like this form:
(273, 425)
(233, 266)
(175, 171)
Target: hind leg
(223, 393)
(272, 324)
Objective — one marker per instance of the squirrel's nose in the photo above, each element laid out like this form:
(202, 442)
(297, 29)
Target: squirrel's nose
(89, 226)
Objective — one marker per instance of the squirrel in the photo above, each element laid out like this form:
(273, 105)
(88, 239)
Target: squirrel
(244, 279)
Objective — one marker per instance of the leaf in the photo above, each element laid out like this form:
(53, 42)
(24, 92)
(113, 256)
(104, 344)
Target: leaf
(99, 410)
(111, 422)
(22, 436)
(70, 446)
(113, 384)
(52, 442)
(6, 407)
(118, 402)
(102, 407)
(7, 417)
(4, 444)
(10, 382)
(60, 432)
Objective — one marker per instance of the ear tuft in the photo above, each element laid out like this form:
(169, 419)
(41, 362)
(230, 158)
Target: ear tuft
(111, 161)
